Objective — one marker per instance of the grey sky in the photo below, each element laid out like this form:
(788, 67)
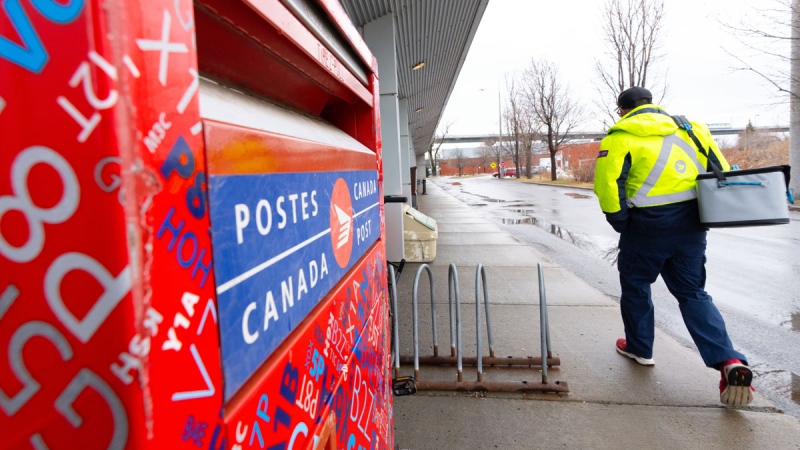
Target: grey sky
(702, 84)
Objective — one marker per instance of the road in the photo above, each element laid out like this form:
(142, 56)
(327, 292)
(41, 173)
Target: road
(753, 273)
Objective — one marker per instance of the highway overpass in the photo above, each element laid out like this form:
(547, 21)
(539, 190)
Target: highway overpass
(596, 135)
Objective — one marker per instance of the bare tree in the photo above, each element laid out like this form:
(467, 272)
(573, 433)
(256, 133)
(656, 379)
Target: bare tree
(529, 132)
(782, 72)
(632, 31)
(495, 149)
(460, 160)
(435, 148)
(776, 69)
(485, 156)
(523, 129)
(515, 116)
(551, 106)
(751, 139)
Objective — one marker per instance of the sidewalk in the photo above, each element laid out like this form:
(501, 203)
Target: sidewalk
(613, 402)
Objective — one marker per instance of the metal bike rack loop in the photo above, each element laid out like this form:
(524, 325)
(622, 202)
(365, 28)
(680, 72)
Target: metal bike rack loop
(453, 289)
(480, 284)
(395, 321)
(544, 322)
(400, 385)
(415, 301)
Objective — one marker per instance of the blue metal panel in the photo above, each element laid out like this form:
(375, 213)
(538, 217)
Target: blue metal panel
(281, 242)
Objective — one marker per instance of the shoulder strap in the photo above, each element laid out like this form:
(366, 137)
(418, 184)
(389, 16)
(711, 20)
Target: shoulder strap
(684, 123)
(647, 111)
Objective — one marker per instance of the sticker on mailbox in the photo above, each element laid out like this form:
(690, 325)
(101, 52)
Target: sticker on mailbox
(281, 242)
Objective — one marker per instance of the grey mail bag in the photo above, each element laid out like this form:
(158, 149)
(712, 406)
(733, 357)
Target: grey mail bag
(741, 198)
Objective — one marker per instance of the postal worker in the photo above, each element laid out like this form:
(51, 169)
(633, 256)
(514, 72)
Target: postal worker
(645, 181)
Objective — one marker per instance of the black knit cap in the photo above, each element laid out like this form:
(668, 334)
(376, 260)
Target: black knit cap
(627, 99)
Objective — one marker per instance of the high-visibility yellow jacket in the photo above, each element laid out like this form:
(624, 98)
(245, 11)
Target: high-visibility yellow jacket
(646, 171)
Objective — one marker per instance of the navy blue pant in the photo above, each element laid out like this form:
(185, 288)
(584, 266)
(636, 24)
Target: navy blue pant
(680, 260)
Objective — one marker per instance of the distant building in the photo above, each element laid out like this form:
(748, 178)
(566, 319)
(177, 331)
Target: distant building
(572, 155)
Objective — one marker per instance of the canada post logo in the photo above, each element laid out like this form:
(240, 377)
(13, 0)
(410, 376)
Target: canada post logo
(281, 242)
(341, 222)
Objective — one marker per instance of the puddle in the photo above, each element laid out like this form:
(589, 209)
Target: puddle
(574, 195)
(796, 388)
(601, 247)
(793, 323)
(784, 383)
(527, 220)
(489, 199)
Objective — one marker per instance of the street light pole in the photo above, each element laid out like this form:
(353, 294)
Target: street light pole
(500, 125)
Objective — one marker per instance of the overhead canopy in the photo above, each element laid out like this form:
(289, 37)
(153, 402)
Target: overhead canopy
(437, 33)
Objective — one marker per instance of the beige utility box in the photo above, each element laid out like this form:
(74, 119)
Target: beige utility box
(419, 235)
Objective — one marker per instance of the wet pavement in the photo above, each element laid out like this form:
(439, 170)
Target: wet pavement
(613, 403)
(572, 216)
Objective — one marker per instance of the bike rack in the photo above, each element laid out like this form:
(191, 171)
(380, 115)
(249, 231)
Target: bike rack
(404, 384)
(395, 324)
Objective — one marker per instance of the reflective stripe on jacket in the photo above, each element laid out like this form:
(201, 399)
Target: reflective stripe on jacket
(646, 171)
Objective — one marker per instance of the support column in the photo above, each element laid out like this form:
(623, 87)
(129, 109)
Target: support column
(420, 170)
(794, 101)
(380, 38)
(422, 165)
(415, 179)
(405, 150)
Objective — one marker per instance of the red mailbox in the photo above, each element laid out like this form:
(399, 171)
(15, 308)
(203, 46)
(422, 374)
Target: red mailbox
(191, 227)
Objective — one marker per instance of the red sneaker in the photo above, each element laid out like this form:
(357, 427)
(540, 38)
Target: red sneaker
(622, 346)
(734, 387)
